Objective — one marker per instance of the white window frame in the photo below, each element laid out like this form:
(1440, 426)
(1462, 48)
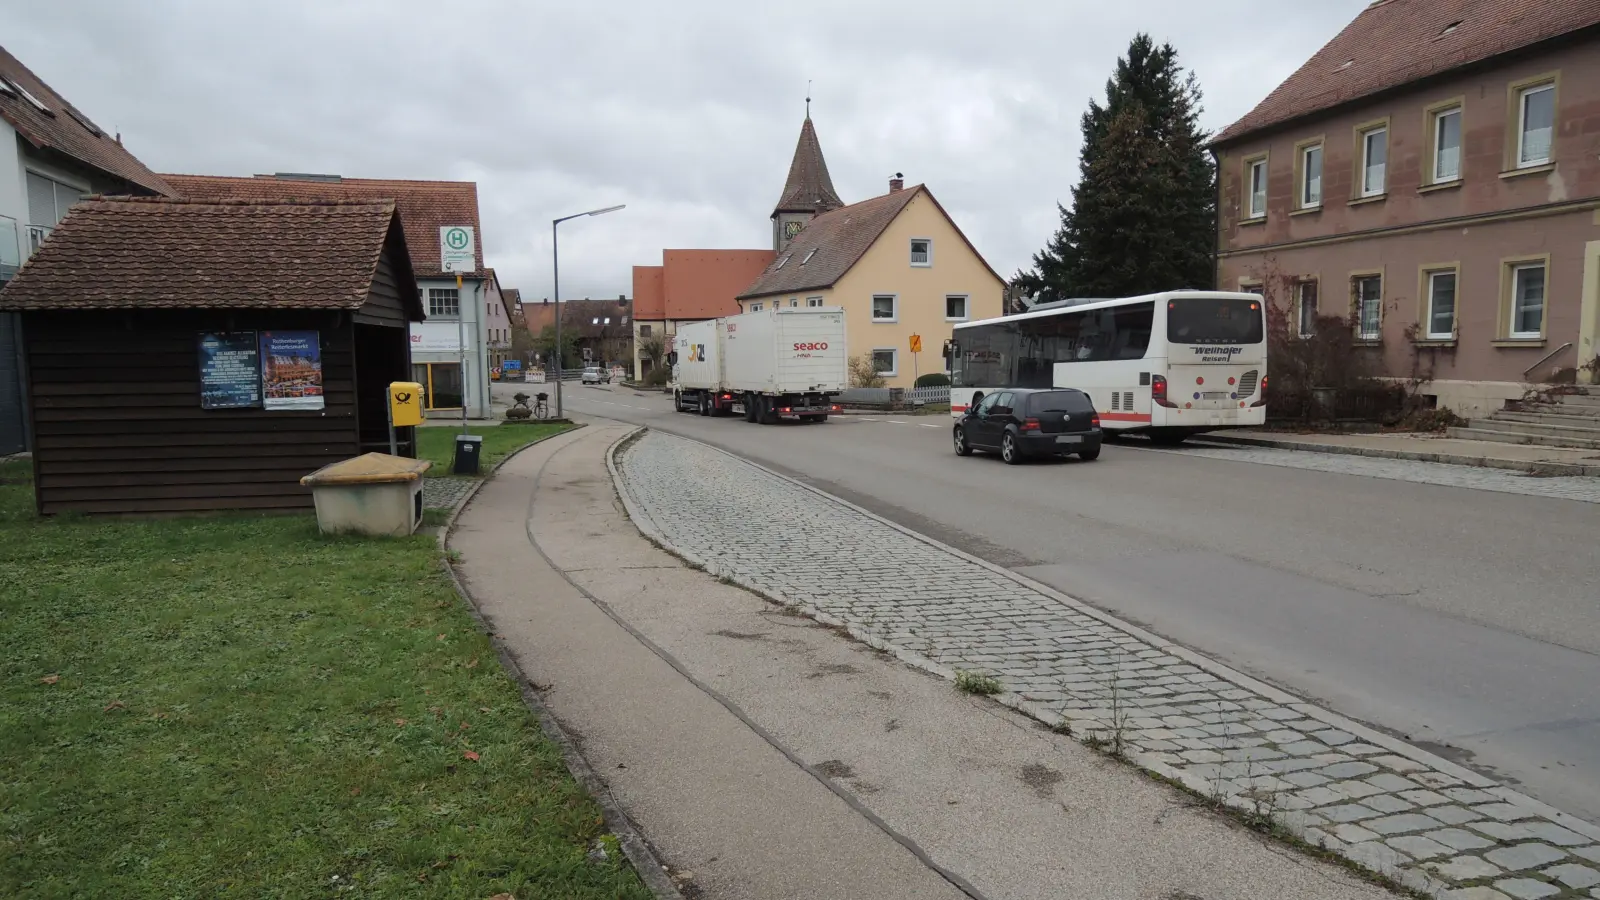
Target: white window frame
(966, 307)
(894, 354)
(1455, 305)
(1305, 176)
(1361, 319)
(812, 302)
(911, 253)
(1300, 306)
(1438, 146)
(1252, 211)
(894, 300)
(756, 307)
(444, 292)
(1522, 125)
(1381, 131)
(794, 301)
(1544, 301)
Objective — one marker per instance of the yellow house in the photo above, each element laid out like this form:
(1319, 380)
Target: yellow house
(898, 265)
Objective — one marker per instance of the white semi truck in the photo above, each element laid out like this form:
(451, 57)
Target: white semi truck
(788, 362)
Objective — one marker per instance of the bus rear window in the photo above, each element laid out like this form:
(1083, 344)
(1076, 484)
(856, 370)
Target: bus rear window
(1214, 320)
(1060, 401)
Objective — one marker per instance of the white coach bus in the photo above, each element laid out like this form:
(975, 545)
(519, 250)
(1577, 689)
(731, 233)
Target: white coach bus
(1167, 365)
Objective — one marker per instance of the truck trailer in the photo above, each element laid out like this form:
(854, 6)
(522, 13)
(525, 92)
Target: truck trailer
(788, 362)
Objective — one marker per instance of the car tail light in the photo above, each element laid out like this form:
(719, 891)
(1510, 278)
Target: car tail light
(1158, 391)
(1030, 424)
(1261, 392)
(1095, 421)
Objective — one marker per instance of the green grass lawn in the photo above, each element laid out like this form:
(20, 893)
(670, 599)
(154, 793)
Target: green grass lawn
(237, 706)
(439, 444)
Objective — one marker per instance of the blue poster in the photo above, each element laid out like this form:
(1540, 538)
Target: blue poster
(291, 370)
(230, 370)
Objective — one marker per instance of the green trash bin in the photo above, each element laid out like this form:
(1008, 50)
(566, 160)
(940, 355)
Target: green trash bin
(469, 449)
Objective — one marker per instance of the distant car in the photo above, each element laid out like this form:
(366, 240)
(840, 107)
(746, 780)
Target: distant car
(596, 375)
(1019, 424)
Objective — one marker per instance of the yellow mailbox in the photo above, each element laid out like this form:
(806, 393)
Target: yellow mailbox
(405, 403)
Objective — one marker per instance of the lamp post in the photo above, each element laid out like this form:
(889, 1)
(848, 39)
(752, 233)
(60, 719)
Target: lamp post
(555, 267)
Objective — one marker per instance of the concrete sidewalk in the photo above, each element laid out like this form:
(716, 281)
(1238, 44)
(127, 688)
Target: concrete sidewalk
(1425, 448)
(765, 756)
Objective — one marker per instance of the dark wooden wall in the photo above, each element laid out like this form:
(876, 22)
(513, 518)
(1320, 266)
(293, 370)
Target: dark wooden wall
(384, 305)
(115, 399)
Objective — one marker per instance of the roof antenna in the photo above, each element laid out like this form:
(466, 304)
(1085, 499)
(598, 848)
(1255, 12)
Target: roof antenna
(808, 98)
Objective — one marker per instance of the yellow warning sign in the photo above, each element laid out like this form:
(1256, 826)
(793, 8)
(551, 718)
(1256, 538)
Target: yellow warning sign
(916, 343)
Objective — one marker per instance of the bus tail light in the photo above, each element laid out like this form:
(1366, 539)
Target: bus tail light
(1158, 391)
(1261, 393)
(1030, 424)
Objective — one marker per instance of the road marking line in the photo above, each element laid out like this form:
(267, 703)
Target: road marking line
(926, 425)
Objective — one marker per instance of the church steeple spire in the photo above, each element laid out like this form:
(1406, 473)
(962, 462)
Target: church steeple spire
(808, 192)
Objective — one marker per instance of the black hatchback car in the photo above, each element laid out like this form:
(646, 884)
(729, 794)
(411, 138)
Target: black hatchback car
(1022, 423)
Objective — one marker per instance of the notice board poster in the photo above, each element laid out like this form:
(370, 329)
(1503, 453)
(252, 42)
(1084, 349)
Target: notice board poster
(291, 370)
(230, 370)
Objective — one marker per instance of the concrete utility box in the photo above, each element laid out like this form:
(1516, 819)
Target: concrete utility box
(373, 494)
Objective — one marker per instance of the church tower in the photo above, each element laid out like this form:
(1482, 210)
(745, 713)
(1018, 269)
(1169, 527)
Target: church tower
(808, 192)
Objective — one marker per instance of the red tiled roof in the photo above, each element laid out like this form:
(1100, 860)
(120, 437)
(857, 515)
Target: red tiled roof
(649, 292)
(67, 130)
(840, 238)
(425, 206)
(705, 284)
(150, 253)
(808, 188)
(1395, 42)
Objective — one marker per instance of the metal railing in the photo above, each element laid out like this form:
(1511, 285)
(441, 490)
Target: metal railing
(1547, 357)
(887, 396)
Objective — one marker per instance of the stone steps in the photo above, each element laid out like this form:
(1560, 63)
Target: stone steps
(1531, 417)
(1487, 430)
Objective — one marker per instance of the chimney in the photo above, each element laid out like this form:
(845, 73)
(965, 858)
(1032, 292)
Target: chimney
(897, 183)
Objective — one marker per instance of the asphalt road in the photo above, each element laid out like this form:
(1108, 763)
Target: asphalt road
(1464, 620)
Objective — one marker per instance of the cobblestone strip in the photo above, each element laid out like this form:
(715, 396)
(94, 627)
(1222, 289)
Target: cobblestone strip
(1433, 825)
(445, 493)
(1566, 487)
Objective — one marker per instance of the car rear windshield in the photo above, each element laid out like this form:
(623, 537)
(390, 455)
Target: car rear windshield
(1060, 401)
(1214, 320)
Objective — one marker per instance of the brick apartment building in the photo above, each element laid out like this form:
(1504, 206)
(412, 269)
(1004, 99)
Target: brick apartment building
(1434, 174)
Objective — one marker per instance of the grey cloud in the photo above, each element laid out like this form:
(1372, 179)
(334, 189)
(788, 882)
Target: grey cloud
(687, 112)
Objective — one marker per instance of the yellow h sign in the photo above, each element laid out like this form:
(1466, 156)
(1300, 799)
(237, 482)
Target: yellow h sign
(405, 403)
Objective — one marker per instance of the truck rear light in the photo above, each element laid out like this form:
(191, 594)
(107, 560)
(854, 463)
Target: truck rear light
(834, 409)
(1030, 424)
(783, 409)
(1158, 391)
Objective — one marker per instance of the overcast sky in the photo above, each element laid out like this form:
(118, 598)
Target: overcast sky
(686, 111)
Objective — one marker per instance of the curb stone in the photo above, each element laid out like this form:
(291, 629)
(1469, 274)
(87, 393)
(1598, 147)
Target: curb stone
(638, 851)
(1375, 857)
(1453, 459)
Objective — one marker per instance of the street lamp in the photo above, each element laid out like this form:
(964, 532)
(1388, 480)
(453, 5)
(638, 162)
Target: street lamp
(555, 266)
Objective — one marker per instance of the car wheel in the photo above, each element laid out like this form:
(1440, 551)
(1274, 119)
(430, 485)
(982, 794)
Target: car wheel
(1089, 455)
(962, 447)
(1009, 451)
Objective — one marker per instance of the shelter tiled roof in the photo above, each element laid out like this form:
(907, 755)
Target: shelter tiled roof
(424, 206)
(1396, 42)
(61, 127)
(153, 253)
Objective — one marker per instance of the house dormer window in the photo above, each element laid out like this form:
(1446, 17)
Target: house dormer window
(922, 252)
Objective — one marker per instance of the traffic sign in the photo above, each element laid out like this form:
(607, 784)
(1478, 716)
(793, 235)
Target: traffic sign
(456, 249)
(916, 343)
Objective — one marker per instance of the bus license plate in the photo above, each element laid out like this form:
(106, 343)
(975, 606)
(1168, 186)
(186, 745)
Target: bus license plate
(1214, 395)
(1069, 439)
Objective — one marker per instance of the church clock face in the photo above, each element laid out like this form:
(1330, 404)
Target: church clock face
(790, 229)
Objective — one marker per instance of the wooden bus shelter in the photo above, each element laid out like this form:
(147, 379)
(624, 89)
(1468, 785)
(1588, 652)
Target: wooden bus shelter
(198, 356)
